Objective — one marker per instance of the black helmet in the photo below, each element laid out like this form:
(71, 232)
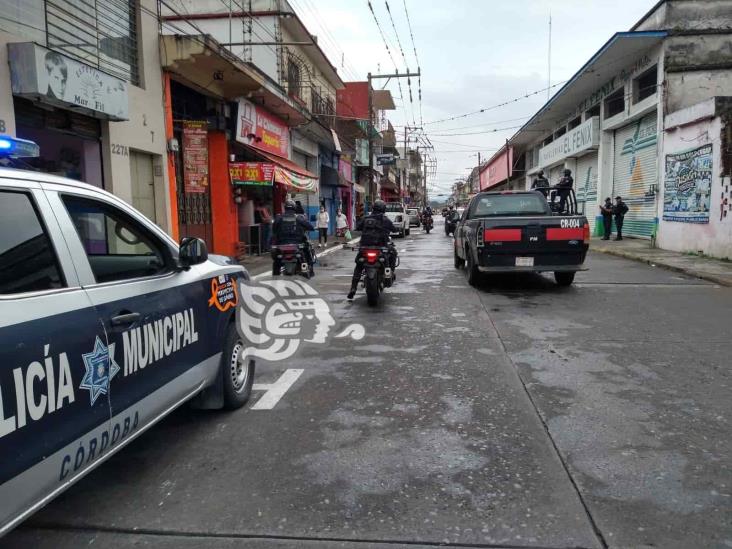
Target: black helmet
(290, 204)
(540, 173)
(567, 172)
(379, 207)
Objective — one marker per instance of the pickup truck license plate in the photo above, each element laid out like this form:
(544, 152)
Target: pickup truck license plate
(524, 261)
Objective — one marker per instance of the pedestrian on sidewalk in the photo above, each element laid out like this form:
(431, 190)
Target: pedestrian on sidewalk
(341, 224)
(607, 217)
(322, 226)
(620, 209)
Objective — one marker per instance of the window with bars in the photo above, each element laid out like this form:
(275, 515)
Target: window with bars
(102, 34)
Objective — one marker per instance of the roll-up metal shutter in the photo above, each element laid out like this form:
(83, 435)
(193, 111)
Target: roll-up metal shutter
(555, 174)
(585, 186)
(635, 171)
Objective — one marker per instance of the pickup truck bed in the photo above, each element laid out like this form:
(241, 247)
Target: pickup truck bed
(537, 242)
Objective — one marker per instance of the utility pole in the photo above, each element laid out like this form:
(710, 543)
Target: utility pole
(371, 77)
(406, 153)
(508, 165)
(478, 171)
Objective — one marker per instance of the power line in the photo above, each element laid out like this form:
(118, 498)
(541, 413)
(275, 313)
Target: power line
(388, 50)
(404, 57)
(484, 109)
(416, 59)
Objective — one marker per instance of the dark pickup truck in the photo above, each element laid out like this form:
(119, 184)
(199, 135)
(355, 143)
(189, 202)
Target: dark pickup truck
(520, 231)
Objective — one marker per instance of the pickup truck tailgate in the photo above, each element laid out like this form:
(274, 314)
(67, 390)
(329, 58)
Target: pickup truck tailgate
(533, 242)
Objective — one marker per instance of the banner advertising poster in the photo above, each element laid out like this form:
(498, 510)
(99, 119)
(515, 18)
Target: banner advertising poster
(195, 156)
(251, 173)
(688, 185)
(260, 129)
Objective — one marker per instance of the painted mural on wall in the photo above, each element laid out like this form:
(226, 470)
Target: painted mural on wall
(688, 185)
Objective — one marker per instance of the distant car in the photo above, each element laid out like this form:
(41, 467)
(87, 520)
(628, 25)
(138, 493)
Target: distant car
(413, 214)
(106, 326)
(397, 212)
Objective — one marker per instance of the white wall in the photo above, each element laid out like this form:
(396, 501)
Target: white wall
(713, 238)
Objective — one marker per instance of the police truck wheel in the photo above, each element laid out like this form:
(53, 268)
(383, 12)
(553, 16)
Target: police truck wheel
(564, 278)
(473, 272)
(458, 262)
(238, 375)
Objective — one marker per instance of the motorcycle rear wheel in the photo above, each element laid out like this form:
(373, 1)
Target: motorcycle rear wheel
(372, 291)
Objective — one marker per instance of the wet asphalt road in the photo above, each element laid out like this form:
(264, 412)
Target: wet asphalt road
(515, 415)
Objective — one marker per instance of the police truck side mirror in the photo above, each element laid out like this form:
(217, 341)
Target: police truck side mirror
(192, 251)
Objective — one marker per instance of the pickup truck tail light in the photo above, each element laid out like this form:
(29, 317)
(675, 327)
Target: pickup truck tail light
(502, 235)
(479, 241)
(586, 233)
(574, 233)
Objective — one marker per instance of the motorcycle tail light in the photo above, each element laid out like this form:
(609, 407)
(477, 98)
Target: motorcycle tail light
(371, 256)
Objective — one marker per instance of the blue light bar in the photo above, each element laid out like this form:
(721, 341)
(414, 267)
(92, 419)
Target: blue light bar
(18, 148)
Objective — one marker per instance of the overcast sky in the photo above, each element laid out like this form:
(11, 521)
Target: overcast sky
(473, 54)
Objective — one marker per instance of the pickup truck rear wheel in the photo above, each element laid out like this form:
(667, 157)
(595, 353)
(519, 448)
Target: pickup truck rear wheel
(564, 278)
(473, 272)
(458, 261)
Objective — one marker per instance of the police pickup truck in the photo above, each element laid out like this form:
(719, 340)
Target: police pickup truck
(519, 232)
(106, 326)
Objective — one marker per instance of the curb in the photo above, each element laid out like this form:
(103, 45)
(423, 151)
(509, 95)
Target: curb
(691, 272)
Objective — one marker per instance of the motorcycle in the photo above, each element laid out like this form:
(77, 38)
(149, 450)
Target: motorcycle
(292, 260)
(427, 223)
(376, 274)
(450, 225)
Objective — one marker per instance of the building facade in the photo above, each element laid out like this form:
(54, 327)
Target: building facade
(85, 84)
(610, 124)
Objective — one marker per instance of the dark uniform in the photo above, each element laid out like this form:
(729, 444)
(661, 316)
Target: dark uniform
(619, 210)
(375, 229)
(291, 228)
(563, 188)
(607, 218)
(540, 184)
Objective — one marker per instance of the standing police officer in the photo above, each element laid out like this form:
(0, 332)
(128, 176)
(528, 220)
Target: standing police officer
(541, 183)
(375, 230)
(563, 189)
(290, 228)
(620, 209)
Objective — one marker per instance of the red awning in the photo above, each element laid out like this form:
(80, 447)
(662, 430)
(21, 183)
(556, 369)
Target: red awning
(285, 163)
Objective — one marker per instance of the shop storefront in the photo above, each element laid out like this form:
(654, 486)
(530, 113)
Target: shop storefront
(576, 150)
(345, 171)
(266, 138)
(635, 174)
(62, 104)
(496, 173)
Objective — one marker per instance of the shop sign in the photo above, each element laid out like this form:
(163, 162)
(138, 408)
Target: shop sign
(251, 173)
(385, 159)
(49, 77)
(345, 168)
(497, 170)
(259, 129)
(195, 156)
(688, 185)
(296, 181)
(584, 137)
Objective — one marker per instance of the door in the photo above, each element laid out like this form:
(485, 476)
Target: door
(635, 171)
(194, 208)
(54, 363)
(143, 184)
(154, 315)
(585, 184)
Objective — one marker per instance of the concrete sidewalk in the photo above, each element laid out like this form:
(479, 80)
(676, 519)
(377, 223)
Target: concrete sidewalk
(714, 270)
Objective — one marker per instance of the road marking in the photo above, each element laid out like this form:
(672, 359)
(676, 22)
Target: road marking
(276, 390)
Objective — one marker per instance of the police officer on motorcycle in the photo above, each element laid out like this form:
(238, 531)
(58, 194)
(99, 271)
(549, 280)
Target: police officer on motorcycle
(291, 228)
(375, 230)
